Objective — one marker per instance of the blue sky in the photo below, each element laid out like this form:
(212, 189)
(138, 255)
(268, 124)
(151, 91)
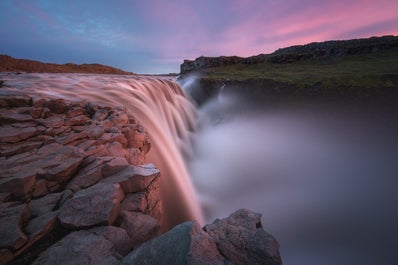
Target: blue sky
(154, 36)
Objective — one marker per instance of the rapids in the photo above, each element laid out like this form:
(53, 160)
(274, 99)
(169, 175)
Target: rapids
(159, 104)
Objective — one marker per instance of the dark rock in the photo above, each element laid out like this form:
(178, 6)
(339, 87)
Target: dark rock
(20, 185)
(186, 243)
(97, 205)
(6, 256)
(122, 243)
(45, 204)
(139, 227)
(79, 247)
(11, 221)
(114, 166)
(242, 240)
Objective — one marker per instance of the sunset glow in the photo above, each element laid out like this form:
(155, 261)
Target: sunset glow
(155, 36)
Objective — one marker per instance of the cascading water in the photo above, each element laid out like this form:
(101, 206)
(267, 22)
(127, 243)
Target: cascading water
(158, 104)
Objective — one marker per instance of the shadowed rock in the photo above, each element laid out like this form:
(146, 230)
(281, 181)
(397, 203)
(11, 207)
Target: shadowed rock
(11, 222)
(242, 240)
(140, 227)
(97, 205)
(186, 243)
(79, 247)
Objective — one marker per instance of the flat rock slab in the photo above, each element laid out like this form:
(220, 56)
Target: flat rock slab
(134, 178)
(242, 240)
(97, 205)
(185, 244)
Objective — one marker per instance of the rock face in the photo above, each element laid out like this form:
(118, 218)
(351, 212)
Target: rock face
(69, 166)
(71, 193)
(318, 51)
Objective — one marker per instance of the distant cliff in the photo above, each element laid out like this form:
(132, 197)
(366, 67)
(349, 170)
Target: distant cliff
(316, 50)
(10, 64)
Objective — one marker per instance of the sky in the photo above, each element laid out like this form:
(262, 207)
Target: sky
(155, 36)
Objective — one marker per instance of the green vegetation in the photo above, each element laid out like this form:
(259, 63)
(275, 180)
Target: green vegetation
(371, 70)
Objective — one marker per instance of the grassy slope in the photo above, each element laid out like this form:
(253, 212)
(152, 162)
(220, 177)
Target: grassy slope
(375, 70)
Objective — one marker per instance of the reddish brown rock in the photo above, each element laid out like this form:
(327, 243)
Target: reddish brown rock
(97, 205)
(135, 202)
(11, 134)
(139, 227)
(88, 175)
(20, 185)
(114, 166)
(45, 204)
(11, 221)
(21, 147)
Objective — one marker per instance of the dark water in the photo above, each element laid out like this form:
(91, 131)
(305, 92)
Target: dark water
(324, 176)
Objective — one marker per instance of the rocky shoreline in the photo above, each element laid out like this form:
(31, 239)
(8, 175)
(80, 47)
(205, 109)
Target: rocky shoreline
(75, 188)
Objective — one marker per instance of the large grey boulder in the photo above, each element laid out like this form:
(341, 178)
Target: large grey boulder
(186, 243)
(242, 240)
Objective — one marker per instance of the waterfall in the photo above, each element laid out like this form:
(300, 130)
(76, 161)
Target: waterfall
(159, 104)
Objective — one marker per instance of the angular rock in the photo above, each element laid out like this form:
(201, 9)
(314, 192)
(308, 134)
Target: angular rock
(134, 178)
(139, 227)
(11, 221)
(20, 185)
(17, 148)
(97, 205)
(79, 247)
(15, 101)
(121, 241)
(10, 134)
(58, 106)
(45, 204)
(134, 202)
(9, 116)
(114, 166)
(242, 240)
(40, 188)
(88, 175)
(185, 244)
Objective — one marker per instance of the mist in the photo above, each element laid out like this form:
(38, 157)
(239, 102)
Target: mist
(324, 176)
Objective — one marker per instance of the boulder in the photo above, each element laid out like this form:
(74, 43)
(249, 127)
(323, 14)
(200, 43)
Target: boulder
(185, 244)
(79, 247)
(122, 242)
(96, 205)
(44, 204)
(139, 227)
(242, 240)
(134, 202)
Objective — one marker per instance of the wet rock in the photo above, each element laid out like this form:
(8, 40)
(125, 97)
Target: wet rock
(79, 247)
(139, 227)
(58, 106)
(122, 242)
(185, 244)
(11, 221)
(97, 205)
(242, 240)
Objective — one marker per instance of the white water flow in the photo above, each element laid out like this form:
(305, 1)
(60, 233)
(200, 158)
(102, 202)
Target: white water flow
(159, 104)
